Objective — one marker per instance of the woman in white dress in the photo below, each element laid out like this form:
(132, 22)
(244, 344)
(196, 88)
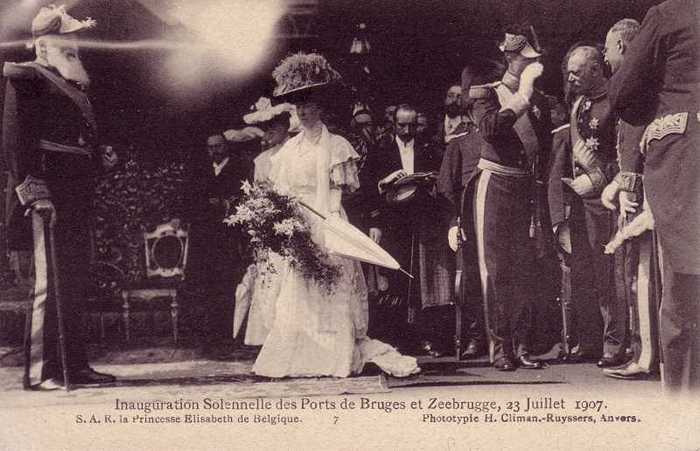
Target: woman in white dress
(317, 332)
(260, 285)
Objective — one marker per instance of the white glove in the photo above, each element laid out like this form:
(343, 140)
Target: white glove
(582, 185)
(375, 234)
(453, 237)
(563, 234)
(527, 78)
(609, 195)
(627, 205)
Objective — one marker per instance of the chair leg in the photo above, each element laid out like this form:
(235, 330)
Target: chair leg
(102, 327)
(174, 315)
(125, 315)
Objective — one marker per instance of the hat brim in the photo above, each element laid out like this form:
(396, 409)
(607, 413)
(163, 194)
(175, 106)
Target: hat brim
(300, 95)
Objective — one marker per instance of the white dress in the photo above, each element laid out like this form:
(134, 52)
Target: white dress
(260, 285)
(314, 332)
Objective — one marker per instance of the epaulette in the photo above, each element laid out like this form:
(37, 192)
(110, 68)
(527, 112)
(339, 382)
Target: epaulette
(482, 91)
(19, 71)
(560, 128)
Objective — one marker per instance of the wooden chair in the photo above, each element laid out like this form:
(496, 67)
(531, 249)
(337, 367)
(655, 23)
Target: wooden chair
(166, 259)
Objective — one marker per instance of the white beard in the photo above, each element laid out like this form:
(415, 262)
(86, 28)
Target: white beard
(70, 70)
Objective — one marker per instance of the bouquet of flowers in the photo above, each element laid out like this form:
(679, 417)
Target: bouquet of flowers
(275, 223)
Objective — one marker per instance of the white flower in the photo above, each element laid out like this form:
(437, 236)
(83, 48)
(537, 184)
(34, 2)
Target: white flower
(286, 227)
(246, 187)
(592, 143)
(594, 123)
(587, 105)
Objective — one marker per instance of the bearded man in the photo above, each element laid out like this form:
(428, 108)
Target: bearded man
(50, 145)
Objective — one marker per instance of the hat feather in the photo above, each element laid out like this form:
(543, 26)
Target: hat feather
(303, 70)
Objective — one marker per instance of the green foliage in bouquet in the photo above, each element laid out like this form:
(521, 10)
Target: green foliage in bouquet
(276, 224)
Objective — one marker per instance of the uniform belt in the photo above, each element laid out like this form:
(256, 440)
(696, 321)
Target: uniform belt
(63, 148)
(500, 169)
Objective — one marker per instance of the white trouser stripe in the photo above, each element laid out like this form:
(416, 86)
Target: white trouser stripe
(644, 302)
(479, 212)
(36, 352)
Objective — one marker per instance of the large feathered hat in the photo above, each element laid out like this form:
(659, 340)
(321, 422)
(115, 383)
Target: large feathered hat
(54, 19)
(301, 74)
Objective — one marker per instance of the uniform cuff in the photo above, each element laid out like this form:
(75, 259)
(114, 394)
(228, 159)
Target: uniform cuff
(32, 190)
(518, 104)
(629, 181)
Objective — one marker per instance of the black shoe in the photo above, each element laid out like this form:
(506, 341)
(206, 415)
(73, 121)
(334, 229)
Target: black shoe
(428, 348)
(609, 360)
(474, 350)
(524, 361)
(505, 364)
(88, 376)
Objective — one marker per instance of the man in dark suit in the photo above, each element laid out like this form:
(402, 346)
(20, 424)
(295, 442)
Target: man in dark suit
(216, 264)
(51, 148)
(407, 228)
(660, 74)
(459, 167)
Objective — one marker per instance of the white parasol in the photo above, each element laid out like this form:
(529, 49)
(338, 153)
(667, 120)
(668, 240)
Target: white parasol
(354, 244)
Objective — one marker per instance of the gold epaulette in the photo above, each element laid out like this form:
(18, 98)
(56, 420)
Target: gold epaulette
(18, 71)
(482, 91)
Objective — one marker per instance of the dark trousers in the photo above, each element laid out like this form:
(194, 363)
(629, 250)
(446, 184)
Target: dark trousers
(215, 269)
(600, 316)
(72, 243)
(502, 220)
(679, 323)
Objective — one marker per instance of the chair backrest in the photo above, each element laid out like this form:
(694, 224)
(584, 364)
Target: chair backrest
(166, 251)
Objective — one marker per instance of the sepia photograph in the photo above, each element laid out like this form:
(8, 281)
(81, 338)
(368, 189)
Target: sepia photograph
(339, 225)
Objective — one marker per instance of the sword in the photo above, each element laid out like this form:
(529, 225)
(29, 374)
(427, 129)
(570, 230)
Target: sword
(51, 264)
(459, 291)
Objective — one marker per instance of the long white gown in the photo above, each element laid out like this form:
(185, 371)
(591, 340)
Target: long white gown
(314, 332)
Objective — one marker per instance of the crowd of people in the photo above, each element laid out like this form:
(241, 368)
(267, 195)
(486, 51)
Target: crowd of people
(474, 205)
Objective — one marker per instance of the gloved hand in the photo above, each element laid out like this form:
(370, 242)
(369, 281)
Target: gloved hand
(453, 238)
(609, 195)
(527, 79)
(628, 203)
(582, 185)
(375, 234)
(563, 234)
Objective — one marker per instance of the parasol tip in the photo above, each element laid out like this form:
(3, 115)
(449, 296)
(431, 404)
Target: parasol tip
(407, 273)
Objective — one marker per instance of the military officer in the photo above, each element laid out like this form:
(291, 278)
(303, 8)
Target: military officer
(513, 120)
(50, 145)
(637, 269)
(592, 136)
(660, 74)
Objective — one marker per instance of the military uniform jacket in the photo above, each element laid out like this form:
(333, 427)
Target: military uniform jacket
(497, 126)
(459, 165)
(594, 125)
(49, 132)
(661, 74)
(561, 166)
